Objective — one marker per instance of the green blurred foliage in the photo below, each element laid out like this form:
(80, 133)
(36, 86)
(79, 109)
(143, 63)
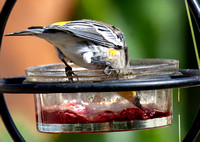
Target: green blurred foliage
(153, 29)
(27, 129)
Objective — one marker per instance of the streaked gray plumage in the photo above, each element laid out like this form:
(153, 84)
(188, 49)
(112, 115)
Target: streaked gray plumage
(87, 43)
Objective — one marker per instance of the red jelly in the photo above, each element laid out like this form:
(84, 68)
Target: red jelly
(132, 114)
(77, 113)
(106, 116)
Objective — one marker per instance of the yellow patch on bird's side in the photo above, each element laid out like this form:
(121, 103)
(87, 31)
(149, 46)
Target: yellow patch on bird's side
(113, 52)
(60, 23)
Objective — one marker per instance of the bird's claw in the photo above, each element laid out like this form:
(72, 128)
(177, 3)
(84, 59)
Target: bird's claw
(69, 73)
(109, 69)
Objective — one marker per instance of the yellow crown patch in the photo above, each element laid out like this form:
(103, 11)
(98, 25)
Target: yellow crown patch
(60, 23)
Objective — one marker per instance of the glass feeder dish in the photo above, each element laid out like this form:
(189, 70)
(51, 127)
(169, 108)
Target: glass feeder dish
(105, 111)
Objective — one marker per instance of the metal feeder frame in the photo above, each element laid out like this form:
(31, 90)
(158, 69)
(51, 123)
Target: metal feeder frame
(189, 78)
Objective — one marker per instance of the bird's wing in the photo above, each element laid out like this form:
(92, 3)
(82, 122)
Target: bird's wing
(94, 31)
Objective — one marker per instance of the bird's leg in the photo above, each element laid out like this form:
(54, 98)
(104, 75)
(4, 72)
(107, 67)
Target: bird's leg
(68, 71)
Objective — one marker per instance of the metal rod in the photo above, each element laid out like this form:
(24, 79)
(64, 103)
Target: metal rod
(195, 8)
(8, 121)
(17, 85)
(194, 130)
(4, 112)
(5, 12)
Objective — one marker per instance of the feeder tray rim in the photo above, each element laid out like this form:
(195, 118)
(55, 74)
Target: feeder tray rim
(147, 61)
(139, 68)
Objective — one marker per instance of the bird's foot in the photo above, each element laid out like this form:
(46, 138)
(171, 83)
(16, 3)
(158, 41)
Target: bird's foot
(109, 69)
(69, 73)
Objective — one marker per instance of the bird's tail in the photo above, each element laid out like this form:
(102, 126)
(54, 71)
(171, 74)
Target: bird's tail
(28, 32)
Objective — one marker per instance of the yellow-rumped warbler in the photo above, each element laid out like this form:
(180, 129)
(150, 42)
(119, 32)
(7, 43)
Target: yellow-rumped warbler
(87, 43)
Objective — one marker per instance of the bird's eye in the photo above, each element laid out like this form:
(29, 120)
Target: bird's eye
(119, 47)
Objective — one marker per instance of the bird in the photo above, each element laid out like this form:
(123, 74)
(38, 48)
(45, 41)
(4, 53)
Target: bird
(87, 43)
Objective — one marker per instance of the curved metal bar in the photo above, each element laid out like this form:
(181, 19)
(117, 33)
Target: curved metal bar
(194, 130)
(5, 12)
(189, 78)
(4, 112)
(8, 121)
(195, 8)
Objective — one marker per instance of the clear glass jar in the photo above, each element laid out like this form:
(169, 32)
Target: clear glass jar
(91, 112)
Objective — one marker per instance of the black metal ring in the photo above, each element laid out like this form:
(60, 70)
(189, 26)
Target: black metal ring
(188, 78)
